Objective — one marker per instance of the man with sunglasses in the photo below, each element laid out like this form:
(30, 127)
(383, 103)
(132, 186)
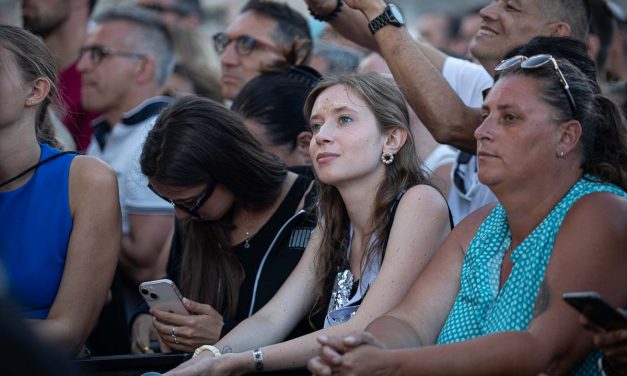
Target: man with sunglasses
(263, 34)
(124, 63)
(433, 81)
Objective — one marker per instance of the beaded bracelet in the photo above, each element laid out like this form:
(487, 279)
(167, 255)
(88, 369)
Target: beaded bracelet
(212, 349)
(327, 17)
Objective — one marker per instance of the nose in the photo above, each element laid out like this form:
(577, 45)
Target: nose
(325, 134)
(484, 131)
(490, 11)
(229, 56)
(84, 62)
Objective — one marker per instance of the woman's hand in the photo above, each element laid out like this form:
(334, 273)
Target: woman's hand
(143, 331)
(348, 356)
(188, 332)
(614, 346)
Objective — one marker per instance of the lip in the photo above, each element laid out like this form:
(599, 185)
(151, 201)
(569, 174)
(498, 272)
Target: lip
(326, 157)
(483, 154)
(230, 78)
(486, 31)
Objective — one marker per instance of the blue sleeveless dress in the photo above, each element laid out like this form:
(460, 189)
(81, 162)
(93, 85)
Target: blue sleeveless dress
(35, 227)
(480, 308)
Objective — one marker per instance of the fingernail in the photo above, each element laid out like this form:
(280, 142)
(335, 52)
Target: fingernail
(350, 339)
(186, 302)
(323, 338)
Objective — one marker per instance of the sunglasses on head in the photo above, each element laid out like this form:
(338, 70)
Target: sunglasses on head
(98, 52)
(535, 62)
(199, 201)
(244, 44)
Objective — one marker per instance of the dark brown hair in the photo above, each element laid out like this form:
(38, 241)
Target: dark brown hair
(196, 140)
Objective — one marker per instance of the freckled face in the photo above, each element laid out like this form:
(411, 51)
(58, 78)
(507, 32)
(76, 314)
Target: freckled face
(347, 141)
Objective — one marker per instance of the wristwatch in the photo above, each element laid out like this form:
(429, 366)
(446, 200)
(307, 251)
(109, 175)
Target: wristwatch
(391, 16)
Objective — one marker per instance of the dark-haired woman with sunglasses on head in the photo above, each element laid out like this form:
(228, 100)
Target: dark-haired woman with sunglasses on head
(59, 212)
(554, 152)
(240, 229)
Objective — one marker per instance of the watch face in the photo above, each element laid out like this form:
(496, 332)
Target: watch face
(396, 13)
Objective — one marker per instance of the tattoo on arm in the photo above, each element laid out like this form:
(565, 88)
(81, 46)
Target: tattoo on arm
(542, 300)
(227, 349)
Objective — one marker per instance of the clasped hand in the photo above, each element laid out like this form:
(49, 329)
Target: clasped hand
(359, 354)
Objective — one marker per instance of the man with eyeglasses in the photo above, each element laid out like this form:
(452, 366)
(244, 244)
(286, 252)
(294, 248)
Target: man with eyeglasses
(433, 81)
(263, 34)
(63, 26)
(124, 63)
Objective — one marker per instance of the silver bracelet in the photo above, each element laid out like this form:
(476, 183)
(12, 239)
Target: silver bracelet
(258, 359)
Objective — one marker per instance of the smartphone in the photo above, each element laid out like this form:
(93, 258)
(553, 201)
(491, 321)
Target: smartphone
(163, 295)
(597, 311)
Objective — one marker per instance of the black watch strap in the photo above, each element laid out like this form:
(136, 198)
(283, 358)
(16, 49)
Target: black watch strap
(378, 22)
(327, 17)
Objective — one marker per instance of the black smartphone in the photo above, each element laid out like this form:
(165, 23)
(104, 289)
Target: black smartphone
(597, 311)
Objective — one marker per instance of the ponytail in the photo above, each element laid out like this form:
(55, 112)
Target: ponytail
(606, 155)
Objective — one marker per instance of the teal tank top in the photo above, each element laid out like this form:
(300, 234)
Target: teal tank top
(480, 308)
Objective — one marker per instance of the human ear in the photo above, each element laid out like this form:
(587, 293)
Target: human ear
(302, 145)
(146, 70)
(570, 134)
(39, 91)
(561, 29)
(395, 139)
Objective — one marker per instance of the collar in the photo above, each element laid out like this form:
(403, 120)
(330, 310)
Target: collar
(145, 110)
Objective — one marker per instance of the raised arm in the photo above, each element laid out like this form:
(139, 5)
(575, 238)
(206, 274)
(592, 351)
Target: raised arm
(91, 257)
(420, 225)
(416, 67)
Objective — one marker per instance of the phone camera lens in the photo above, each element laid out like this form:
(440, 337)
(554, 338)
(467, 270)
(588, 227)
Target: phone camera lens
(154, 296)
(144, 292)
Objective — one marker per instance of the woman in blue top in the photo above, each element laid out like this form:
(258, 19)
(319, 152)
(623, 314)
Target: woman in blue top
(59, 213)
(556, 157)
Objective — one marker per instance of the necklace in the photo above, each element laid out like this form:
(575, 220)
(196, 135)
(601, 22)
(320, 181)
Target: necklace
(36, 165)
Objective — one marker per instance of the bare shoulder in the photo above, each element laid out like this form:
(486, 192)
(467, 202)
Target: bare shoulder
(424, 196)
(603, 215)
(86, 170)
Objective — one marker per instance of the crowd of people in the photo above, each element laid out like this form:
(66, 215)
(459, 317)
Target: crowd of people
(360, 201)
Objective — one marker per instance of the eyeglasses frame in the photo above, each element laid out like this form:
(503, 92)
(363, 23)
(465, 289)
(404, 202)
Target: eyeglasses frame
(199, 201)
(245, 37)
(106, 51)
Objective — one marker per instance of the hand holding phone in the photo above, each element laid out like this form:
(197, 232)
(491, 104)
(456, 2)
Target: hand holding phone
(163, 295)
(596, 309)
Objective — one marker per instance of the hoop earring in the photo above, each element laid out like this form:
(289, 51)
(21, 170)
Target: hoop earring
(387, 157)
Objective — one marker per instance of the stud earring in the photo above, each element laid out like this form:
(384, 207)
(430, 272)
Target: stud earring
(387, 157)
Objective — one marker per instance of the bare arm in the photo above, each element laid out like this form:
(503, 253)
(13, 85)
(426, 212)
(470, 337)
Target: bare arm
(144, 251)
(420, 225)
(554, 342)
(91, 257)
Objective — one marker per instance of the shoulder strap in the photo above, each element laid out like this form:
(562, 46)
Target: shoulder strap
(31, 168)
(391, 222)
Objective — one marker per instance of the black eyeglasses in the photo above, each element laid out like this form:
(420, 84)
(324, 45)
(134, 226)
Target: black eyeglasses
(244, 44)
(199, 201)
(97, 53)
(534, 62)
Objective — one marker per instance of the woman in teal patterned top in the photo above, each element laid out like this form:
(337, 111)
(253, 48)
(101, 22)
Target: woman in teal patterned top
(490, 301)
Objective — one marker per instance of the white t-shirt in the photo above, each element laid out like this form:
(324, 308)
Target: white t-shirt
(121, 149)
(468, 80)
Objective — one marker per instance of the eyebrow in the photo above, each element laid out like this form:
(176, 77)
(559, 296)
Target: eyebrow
(337, 110)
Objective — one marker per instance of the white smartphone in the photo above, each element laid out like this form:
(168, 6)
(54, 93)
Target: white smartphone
(596, 309)
(163, 295)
